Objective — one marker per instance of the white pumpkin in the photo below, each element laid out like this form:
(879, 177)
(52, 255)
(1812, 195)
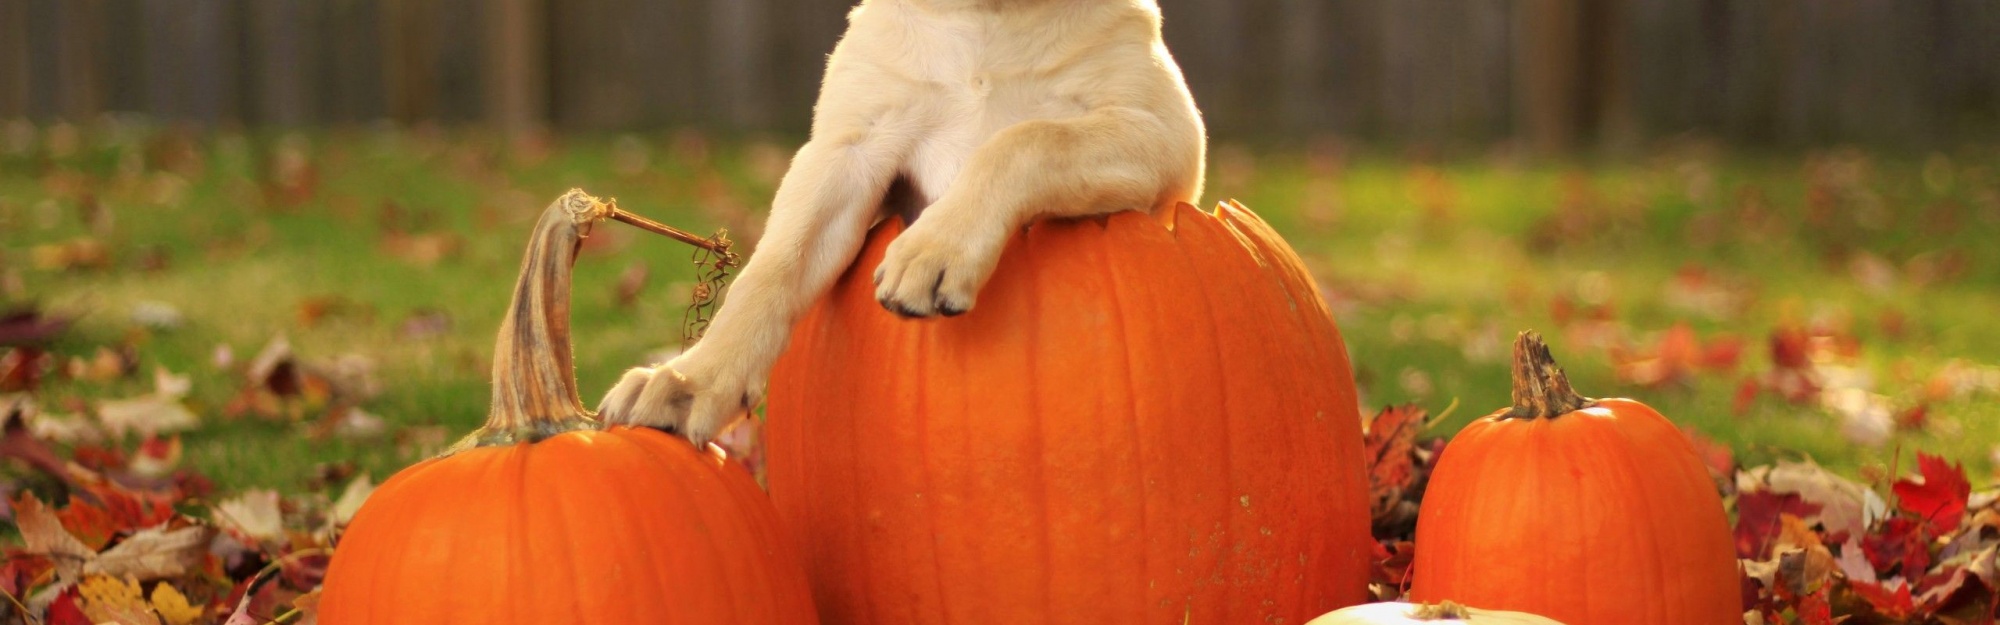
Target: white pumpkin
(1421, 614)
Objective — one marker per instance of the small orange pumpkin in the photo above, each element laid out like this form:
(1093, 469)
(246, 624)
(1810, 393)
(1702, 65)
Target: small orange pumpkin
(1148, 419)
(542, 517)
(1587, 511)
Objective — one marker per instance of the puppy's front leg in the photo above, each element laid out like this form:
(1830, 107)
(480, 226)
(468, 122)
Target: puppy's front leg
(1112, 159)
(818, 220)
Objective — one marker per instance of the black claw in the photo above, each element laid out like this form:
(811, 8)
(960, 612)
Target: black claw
(670, 430)
(948, 310)
(903, 311)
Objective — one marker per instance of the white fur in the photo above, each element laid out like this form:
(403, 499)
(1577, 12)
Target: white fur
(994, 112)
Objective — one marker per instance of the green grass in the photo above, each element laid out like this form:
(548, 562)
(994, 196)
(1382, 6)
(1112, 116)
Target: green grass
(1433, 267)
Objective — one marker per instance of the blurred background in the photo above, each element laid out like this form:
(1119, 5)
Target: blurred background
(253, 253)
(1770, 219)
(1559, 74)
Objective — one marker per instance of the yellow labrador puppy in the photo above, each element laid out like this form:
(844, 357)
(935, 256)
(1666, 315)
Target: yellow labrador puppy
(980, 115)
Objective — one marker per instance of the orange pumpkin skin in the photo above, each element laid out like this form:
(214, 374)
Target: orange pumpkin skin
(541, 517)
(1146, 419)
(1599, 516)
(616, 526)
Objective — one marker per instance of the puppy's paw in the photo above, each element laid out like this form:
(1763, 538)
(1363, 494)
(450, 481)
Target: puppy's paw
(695, 405)
(933, 269)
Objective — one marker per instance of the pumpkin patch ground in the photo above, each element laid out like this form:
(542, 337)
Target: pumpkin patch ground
(209, 362)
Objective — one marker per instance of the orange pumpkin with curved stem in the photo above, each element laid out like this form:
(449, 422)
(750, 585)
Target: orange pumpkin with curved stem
(1147, 419)
(1587, 511)
(542, 517)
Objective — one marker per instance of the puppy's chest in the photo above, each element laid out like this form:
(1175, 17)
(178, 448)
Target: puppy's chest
(970, 91)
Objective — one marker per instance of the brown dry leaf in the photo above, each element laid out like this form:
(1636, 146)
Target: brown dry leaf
(68, 429)
(108, 599)
(1845, 505)
(422, 250)
(154, 553)
(1796, 534)
(253, 517)
(103, 366)
(350, 500)
(146, 415)
(173, 607)
(78, 253)
(43, 533)
(353, 423)
(1807, 570)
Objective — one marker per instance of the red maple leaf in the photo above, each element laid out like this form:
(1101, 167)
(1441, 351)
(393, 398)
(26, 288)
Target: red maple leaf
(1940, 497)
(1898, 541)
(1391, 436)
(1815, 609)
(64, 610)
(1758, 522)
(1895, 604)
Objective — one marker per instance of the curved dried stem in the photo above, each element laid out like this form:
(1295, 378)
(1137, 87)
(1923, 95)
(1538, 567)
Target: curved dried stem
(534, 374)
(1541, 389)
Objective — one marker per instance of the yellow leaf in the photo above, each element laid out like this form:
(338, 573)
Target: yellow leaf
(173, 606)
(109, 599)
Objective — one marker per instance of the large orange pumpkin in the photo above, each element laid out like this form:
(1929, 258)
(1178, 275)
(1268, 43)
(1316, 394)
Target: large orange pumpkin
(1587, 511)
(544, 518)
(1147, 419)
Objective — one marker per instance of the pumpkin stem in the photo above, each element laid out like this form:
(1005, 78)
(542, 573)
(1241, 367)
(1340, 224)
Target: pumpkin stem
(1541, 389)
(1446, 610)
(534, 373)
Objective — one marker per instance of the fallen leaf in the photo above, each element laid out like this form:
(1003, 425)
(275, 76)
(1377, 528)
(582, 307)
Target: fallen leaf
(104, 365)
(1845, 506)
(1759, 519)
(1806, 571)
(22, 368)
(62, 607)
(74, 254)
(357, 424)
(350, 500)
(18, 442)
(27, 326)
(1898, 544)
(1854, 564)
(252, 517)
(157, 315)
(156, 457)
(1893, 603)
(421, 250)
(107, 599)
(154, 553)
(173, 607)
(146, 415)
(1939, 497)
(43, 533)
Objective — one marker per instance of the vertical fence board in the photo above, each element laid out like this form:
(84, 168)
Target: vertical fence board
(14, 60)
(1785, 72)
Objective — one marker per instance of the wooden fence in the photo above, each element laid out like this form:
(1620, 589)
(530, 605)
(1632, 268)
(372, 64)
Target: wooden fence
(1560, 72)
